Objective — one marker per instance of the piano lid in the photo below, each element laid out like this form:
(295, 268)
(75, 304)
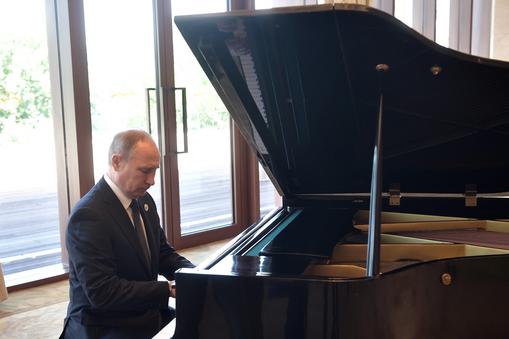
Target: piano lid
(302, 87)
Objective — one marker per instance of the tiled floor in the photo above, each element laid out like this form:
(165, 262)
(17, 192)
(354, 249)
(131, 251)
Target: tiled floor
(38, 313)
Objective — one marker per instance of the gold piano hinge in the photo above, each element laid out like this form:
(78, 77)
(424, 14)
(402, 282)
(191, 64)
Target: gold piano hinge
(470, 195)
(394, 195)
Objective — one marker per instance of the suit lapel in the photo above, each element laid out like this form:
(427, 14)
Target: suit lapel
(120, 216)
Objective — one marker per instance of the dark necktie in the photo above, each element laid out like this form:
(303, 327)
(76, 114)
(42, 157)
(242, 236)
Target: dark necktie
(135, 208)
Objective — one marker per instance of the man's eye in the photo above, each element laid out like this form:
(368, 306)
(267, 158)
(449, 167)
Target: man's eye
(147, 171)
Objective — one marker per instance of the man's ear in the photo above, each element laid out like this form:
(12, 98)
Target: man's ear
(115, 161)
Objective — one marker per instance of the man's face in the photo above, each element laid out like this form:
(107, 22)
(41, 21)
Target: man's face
(135, 175)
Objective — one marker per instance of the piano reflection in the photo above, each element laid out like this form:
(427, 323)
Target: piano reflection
(391, 154)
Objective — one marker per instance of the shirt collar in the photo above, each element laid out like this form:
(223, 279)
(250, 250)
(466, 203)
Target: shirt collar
(124, 200)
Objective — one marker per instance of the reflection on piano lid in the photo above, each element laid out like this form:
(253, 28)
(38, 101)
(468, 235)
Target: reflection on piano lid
(390, 154)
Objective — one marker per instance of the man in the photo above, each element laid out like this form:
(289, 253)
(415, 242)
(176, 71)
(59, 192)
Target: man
(117, 249)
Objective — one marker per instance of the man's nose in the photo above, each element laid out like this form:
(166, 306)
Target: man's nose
(151, 179)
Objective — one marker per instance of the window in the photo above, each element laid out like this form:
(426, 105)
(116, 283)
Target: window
(29, 227)
(443, 22)
(269, 197)
(500, 31)
(264, 4)
(403, 10)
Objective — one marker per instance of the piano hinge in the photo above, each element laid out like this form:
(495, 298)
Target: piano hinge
(471, 195)
(394, 195)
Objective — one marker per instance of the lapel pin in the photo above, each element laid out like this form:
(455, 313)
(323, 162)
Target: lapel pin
(145, 207)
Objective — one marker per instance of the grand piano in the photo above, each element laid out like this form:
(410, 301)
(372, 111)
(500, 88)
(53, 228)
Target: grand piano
(391, 155)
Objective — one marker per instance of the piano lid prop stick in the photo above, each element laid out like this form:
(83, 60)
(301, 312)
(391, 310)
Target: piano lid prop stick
(373, 255)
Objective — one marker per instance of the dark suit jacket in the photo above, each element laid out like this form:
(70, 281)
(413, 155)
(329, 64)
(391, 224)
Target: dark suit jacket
(113, 294)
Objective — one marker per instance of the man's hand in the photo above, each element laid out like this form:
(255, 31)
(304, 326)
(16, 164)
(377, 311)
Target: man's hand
(173, 290)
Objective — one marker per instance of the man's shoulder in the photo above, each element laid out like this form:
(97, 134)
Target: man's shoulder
(97, 205)
(94, 198)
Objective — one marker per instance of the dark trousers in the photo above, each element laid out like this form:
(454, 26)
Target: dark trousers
(74, 329)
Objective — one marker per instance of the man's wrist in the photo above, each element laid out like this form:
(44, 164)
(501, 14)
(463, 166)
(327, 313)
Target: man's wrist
(173, 289)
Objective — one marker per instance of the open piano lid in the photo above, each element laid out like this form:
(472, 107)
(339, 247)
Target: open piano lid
(301, 85)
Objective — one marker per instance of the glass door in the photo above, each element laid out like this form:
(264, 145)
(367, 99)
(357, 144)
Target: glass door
(122, 74)
(205, 169)
(163, 90)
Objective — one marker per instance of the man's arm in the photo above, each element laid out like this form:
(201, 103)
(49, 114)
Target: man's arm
(169, 259)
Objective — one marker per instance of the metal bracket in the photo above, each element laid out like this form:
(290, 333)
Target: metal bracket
(471, 195)
(375, 201)
(394, 195)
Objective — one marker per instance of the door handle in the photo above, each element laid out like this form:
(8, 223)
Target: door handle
(184, 117)
(149, 113)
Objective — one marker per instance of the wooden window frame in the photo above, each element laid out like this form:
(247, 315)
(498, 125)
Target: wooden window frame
(71, 106)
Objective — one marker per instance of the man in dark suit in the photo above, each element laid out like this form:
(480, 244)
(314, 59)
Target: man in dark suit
(117, 248)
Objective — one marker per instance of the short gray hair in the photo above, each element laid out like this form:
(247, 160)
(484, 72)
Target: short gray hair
(124, 142)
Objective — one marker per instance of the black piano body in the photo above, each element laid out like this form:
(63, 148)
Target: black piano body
(343, 103)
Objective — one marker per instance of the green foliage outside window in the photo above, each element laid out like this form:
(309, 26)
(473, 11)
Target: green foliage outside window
(24, 97)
